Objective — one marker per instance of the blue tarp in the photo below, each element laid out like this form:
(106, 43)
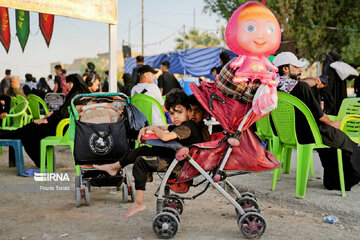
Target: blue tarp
(197, 62)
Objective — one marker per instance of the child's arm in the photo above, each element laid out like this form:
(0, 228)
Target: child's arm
(159, 131)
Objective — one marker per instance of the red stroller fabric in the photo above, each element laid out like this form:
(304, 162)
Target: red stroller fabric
(250, 155)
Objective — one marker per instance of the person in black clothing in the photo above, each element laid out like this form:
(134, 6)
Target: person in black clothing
(57, 80)
(357, 86)
(154, 159)
(105, 87)
(126, 88)
(5, 83)
(43, 85)
(289, 70)
(335, 91)
(32, 133)
(134, 75)
(198, 114)
(224, 59)
(167, 81)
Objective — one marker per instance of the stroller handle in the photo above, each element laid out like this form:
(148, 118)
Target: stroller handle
(72, 106)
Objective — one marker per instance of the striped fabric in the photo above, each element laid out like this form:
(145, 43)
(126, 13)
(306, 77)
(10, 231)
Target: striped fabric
(243, 92)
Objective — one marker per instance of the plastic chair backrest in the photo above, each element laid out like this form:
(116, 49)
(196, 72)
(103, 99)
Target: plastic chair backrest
(145, 104)
(349, 110)
(16, 116)
(349, 106)
(284, 119)
(21, 98)
(263, 126)
(35, 103)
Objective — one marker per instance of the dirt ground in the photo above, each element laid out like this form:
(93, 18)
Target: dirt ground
(53, 215)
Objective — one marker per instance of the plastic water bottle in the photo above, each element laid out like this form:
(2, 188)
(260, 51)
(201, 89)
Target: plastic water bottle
(331, 219)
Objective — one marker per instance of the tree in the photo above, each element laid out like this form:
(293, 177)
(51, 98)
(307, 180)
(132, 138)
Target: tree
(196, 40)
(316, 26)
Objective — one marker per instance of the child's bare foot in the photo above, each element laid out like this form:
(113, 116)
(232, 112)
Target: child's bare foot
(111, 169)
(149, 177)
(133, 209)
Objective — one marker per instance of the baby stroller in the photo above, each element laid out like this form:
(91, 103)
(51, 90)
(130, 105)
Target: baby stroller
(99, 127)
(54, 100)
(237, 149)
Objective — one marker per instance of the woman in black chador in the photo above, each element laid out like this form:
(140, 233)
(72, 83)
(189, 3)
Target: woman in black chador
(31, 134)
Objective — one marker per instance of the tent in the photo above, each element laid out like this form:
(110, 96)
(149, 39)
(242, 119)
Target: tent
(196, 62)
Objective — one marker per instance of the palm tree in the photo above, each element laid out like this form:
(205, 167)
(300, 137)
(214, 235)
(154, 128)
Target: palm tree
(196, 40)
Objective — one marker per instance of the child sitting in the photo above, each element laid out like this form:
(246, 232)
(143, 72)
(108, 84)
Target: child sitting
(198, 114)
(156, 159)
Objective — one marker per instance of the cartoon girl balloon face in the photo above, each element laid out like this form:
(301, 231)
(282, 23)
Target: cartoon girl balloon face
(253, 30)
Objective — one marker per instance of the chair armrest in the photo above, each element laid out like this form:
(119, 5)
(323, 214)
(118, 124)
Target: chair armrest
(348, 118)
(332, 117)
(60, 126)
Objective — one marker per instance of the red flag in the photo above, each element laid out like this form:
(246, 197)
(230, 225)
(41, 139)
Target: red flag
(46, 22)
(5, 36)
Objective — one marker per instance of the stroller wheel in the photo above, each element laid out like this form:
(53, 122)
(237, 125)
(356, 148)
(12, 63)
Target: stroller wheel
(125, 192)
(247, 203)
(77, 182)
(87, 195)
(78, 197)
(248, 194)
(132, 191)
(175, 203)
(252, 225)
(173, 211)
(165, 225)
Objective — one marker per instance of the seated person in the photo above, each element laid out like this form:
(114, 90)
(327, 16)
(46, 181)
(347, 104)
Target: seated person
(32, 133)
(198, 114)
(152, 159)
(14, 88)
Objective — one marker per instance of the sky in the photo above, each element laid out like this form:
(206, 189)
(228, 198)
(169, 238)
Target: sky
(74, 38)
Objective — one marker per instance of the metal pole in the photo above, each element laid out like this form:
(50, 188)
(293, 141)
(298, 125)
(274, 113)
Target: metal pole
(112, 58)
(142, 27)
(184, 49)
(129, 33)
(194, 20)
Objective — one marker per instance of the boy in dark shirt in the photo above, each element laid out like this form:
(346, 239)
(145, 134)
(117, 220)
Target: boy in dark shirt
(198, 114)
(155, 159)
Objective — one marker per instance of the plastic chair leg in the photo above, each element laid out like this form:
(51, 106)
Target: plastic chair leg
(304, 159)
(341, 173)
(19, 158)
(287, 160)
(276, 173)
(50, 159)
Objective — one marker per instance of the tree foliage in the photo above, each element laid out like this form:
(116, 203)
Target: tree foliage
(195, 39)
(316, 26)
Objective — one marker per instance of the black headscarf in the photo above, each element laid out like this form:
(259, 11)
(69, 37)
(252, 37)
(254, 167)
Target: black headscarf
(335, 91)
(78, 88)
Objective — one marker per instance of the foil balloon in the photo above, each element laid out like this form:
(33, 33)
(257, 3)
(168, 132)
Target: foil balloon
(253, 33)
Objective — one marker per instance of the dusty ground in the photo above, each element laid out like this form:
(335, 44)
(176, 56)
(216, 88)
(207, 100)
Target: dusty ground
(48, 215)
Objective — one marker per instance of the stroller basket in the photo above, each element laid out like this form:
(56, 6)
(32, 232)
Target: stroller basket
(54, 100)
(99, 128)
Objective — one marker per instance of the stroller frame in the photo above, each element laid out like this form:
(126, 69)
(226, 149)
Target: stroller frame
(84, 176)
(167, 221)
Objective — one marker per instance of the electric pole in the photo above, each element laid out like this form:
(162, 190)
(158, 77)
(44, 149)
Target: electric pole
(142, 27)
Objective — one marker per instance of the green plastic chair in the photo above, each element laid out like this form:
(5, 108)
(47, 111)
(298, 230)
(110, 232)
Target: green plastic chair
(349, 113)
(145, 104)
(265, 131)
(16, 117)
(47, 146)
(28, 116)
(35, 104)
(284, 121)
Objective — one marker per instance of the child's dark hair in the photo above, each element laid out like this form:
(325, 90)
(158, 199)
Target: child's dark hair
(176, 97)
(193, 101)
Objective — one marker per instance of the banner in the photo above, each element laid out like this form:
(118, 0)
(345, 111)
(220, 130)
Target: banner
(46, 22)
(5, 36)
(22, 27)
(93, 10)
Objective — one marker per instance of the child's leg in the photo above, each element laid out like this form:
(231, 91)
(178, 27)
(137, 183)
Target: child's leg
(128, 158)
(141, 167)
